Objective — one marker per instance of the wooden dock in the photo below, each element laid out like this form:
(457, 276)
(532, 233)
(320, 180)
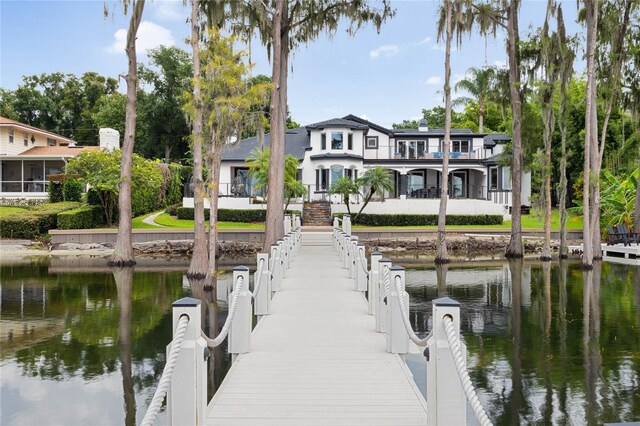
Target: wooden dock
(316, 359)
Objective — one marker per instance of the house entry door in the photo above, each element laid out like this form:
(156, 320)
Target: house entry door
(458, 186)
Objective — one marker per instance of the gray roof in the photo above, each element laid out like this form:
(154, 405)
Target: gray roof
(495, 138)
(330, 155)
(371, 125)
(338, 122)
(296, 142)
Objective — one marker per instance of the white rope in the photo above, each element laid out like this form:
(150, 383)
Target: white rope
(362, 264)
(212, 343)
(405, 316)
(165, 380)
(469, 391)
(385, 280)
(256, 286)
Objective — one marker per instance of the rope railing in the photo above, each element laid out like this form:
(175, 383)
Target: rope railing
(362, 264)
(256, 286)
(165, 380)
(212, 343)
(385, 280)
(405, 316)
(469, 391)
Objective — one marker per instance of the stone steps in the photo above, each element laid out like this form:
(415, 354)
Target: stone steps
(317, 213)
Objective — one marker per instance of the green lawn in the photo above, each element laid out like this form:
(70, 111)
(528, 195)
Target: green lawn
(529, 221)
(6, 211)
(169, 221)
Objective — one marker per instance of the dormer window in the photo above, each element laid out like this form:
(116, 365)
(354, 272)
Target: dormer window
(10, 135)
(336, 140)
(323, 141)
(51, 142)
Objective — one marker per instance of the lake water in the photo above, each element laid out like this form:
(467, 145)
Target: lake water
(80, 344)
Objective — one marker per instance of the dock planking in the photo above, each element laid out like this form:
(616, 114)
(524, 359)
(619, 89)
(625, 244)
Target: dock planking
(316, 359)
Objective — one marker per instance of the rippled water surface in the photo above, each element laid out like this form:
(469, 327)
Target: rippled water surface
(81, 344)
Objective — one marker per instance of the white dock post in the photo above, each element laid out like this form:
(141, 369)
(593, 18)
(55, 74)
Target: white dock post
(353, 250)
(275, 267)
(286, 250)
(381, 302)
(336, 223)
(262, 275)
(345, 250)
(345, 219)
(361, 276)
(397, 338)
(187, 394)
(446, 401)
(373, 282)
(240, 330)
(287, 223)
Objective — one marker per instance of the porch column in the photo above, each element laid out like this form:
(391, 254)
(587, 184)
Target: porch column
(403, 185)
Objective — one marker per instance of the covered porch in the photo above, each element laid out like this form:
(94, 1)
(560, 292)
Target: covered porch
(28, 177)
(464, 183)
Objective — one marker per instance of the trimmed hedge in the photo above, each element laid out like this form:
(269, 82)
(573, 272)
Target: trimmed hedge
(72, 190)
(85, 217)
(55, 192)
(425, 219)
(37, 221)
(230, 215)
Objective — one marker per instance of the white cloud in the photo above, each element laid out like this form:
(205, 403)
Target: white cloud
(364, 117)
(150, 35)
(426, 40)
(433, 80)
(438, 47)
(170, 10)
(386, 50)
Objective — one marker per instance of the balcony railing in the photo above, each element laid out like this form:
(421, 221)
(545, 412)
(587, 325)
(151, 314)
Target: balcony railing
(477, 154)
(476, 192)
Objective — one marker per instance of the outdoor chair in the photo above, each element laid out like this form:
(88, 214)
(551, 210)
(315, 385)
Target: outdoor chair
(627, 236)
(614, 236)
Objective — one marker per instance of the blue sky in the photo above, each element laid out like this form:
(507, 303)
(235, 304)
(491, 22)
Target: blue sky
(384, 77)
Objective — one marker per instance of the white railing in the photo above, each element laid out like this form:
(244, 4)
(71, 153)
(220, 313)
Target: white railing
(184, 378)
(389, 303)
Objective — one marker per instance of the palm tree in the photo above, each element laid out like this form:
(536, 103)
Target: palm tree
(123, 251)
(374, 180)
(478, 83)
(345, 187)
(258, 163)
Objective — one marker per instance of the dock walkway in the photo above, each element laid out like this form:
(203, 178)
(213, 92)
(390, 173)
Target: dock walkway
(317, 359)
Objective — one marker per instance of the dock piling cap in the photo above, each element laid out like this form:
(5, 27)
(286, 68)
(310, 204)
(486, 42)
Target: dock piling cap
(241, 268)
(186, 302)
(446, 301)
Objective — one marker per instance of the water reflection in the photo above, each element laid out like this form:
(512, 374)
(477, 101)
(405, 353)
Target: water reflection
(124, 281)
(547, 343)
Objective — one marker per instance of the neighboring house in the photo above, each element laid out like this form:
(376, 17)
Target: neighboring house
(350, 145)
(28, 156)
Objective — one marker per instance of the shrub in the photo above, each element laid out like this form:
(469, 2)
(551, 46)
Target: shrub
(230, 215)
(85, 217)
(35, 222)
(55, 192)
(22, 202)
(72, 190)
(173, 209)
(425, 219)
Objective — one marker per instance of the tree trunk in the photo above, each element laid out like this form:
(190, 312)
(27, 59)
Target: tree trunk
(594, 181)
(562, 187)
(481, 113)
(123, 252)
(636, 212)
(587, 253)
(167, 153)
(441, 254)
(214, 187)
(515, 249)
(547, 116)
(200, 257)
(274, 227)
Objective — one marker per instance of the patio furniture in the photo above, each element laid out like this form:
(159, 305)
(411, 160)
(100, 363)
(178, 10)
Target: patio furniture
(614, 236)
(627, 236)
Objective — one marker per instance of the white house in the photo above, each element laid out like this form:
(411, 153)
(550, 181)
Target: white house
(28, 156)
(350, 145)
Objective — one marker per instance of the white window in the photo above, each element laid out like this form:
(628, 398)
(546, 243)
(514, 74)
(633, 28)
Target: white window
(10, 135)
(493, 177)
(506, 178)
(336, 140)
(372, 142)
(25, 139)
(350, 141)
(51, 142)
(336, 173)
(323, 141)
